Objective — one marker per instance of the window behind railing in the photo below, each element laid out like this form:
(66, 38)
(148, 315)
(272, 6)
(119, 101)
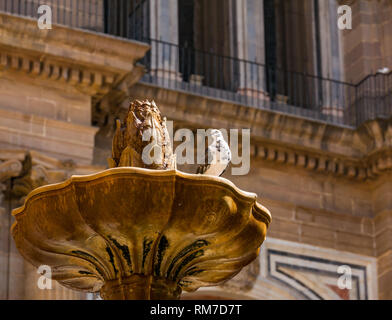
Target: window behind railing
(298, 94)
(127, 19)
(182, 67)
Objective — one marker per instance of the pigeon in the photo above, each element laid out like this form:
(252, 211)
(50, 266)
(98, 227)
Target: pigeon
(384, 70)
(217, 155)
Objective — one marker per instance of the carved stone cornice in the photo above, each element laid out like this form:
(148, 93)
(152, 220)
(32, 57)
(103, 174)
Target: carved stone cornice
(50, 164)
(360, 153)
(88, 61)
(371, 153)
(9, 169)
(109, 107)
(366, 168)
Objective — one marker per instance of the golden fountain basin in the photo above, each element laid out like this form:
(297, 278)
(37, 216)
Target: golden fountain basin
(134, 233)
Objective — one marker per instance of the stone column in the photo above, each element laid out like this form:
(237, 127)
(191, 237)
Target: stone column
(250, 47)
(334, 94)
(164, 39)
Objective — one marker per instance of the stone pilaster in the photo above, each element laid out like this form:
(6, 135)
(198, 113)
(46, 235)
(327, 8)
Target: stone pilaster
(250, 46)
(331, 58)
(11, 277)
(164, 34)
(330, 41)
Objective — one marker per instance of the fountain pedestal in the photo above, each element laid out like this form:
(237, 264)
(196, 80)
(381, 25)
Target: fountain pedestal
(140, 287)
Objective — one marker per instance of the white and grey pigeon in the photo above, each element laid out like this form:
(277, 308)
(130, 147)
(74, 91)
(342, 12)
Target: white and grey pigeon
(217, 155)
(384, 70)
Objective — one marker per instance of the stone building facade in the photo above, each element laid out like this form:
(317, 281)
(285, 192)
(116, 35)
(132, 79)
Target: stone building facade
(317, 99)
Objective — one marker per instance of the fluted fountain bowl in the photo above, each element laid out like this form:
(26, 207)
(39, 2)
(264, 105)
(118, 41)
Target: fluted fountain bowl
(134, 233)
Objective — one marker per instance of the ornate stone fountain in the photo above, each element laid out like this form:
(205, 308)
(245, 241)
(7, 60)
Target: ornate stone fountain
(139, 231)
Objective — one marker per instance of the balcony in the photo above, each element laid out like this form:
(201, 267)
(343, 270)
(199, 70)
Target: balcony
(222, 77)
(259, 86)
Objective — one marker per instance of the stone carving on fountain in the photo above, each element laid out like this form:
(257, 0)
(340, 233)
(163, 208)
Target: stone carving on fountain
(128, 142)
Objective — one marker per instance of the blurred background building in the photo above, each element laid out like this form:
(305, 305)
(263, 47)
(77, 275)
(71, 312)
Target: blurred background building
(318, 101)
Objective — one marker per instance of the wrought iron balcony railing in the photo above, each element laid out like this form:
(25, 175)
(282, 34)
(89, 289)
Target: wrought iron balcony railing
(206, 73)
(254, 84)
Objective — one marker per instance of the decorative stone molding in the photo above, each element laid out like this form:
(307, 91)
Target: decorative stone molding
(292, 271)
(109, 107)
(9, 168)
(89, 61)
(366, 168)
(313, 272)
(40, 168)
(91, 82)
(357, 153)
